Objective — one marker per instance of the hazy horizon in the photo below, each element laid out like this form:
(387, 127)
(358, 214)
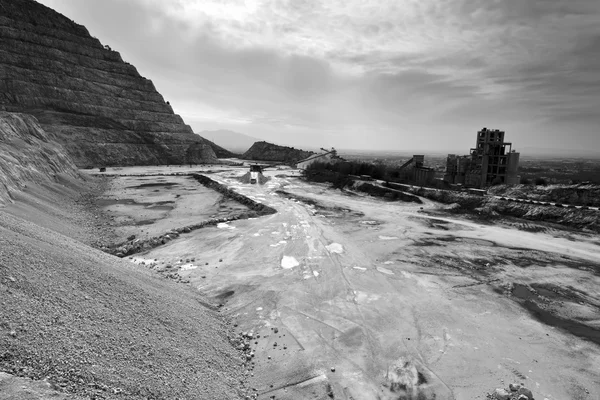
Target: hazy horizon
(371, 76)
(525, 151)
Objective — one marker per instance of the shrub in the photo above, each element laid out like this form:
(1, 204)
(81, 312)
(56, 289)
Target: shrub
(525, 181)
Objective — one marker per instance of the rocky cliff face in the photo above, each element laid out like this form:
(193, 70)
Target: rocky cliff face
(265, 151)
(27, 154)
(97, 105)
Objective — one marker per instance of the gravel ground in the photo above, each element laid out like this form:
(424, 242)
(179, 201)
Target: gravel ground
(97, 326)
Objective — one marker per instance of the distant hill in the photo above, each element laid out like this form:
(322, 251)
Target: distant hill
(221, 152)
(264, 151)
(234, 141)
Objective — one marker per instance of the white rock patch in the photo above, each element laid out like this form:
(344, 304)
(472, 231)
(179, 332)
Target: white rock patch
(335, 248)
(186, 267)
(385, 271)
(388, 237)
(223, 225)
(288, 262)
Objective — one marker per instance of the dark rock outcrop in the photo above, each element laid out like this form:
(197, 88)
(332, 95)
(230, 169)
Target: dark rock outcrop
(265, 151)
(27, 154)
(97, 105)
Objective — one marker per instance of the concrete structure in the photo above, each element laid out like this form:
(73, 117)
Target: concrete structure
(418, 173)
(492, 161)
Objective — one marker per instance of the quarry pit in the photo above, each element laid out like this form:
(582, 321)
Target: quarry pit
(346, 296)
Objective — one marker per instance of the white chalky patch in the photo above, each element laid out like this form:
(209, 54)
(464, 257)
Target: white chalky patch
(369, 222)
(360, 268)
(288, 262)
(387, 237)
(282, 242)
(385, 271)
(145, 261)
(256, 234)
(259, 308)
(363, 297)
(186, 267)
(274, 233)
(388, 262)
(335, 248)
(223, 225)
(315, 273)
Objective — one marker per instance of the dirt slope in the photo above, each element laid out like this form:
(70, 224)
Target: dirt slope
(98, 326)
(27, 153)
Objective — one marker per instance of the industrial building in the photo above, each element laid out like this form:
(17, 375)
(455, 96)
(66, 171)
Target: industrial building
(492, 161)
(415, 171)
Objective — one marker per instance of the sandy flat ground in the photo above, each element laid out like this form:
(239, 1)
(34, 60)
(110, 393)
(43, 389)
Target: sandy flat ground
(358, 298)
(147, 206)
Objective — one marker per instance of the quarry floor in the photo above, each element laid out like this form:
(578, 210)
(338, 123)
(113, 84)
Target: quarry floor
(353, 297)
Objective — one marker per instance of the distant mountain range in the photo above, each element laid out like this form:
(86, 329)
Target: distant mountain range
(230, 140)
(550, 152)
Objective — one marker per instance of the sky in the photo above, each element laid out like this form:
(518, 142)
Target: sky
(376, 75)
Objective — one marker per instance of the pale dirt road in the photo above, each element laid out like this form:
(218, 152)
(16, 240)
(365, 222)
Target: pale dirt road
(379, 300)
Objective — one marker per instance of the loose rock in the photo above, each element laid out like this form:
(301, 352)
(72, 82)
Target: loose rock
(526, 392)
(501, 394)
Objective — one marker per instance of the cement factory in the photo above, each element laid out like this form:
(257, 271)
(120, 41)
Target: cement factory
(491, 162)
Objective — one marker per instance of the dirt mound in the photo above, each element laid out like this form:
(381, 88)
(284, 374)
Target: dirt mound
(259, 208)
(27, 154)
(570, 217)
(579, 194)
(265, 151)
(385, 192)
(98, 326)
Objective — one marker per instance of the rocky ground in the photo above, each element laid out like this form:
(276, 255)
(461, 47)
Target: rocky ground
(92, 325)
(337, 295)
(341, 295)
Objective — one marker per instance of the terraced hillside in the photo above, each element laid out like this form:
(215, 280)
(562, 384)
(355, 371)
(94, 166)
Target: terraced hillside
(98, 106)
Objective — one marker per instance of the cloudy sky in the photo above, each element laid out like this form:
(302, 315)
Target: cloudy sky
(380, 74)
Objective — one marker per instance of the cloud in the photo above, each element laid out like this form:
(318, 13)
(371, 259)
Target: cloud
(325, 70)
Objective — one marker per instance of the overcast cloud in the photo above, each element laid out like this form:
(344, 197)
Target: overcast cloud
(386, 74)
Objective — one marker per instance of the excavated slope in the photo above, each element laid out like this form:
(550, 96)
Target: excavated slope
(97, 105)
(27, 154)
(586, 194)
(98, 326)
(265, 151)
